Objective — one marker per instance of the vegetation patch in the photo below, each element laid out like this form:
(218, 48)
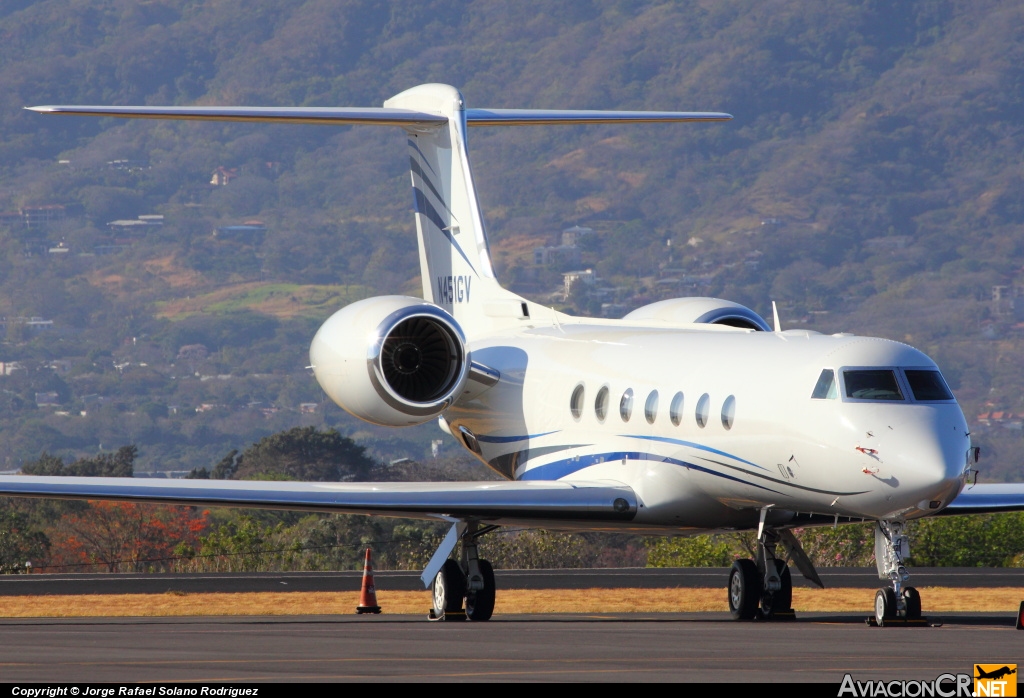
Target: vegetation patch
(282, 301)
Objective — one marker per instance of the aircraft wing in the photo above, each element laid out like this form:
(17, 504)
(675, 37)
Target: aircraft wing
(485, 501)
(989, 498)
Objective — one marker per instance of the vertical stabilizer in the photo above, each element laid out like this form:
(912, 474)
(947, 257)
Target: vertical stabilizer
(455, 262)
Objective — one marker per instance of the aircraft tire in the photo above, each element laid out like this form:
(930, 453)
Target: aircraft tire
(480, 604)
(885, 605)
(449, 589)
(744, 590)
(912, 601)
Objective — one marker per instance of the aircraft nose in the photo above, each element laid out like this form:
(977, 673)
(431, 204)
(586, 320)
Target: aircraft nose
(931, 452)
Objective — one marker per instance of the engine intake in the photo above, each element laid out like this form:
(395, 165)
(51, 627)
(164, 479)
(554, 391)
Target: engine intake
(421, 357)
(391, 360)
(709, 311)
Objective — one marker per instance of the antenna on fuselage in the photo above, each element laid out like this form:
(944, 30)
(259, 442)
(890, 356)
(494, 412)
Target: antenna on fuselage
(775, 317)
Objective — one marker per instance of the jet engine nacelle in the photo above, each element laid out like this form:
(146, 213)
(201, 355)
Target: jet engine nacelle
(711, 311)
(391, 360)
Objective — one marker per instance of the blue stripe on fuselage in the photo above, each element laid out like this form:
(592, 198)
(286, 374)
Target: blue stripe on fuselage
(691, 444)
(561, 468)
(511, 439)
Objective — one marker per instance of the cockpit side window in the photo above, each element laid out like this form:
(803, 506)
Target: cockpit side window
(927, 385)
(873, 384)
(825, 388)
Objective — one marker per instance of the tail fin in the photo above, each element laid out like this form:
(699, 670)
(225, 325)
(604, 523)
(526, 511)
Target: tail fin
(455, 262)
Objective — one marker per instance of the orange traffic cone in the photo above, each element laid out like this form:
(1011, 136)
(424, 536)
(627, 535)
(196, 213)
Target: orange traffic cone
(368, 596)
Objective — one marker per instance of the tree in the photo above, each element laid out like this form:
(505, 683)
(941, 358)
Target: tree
(226, 468)
(125, 536)
(19, 543)
(244, 545)
(988, 540)
(698, 551)
(121, 463)
(306, 454)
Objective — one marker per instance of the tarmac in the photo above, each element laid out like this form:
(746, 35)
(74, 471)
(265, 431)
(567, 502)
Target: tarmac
(705, 647)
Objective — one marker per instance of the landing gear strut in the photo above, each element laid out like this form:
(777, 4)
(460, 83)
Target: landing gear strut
(762, 588)
(895, 603)
(469, 578)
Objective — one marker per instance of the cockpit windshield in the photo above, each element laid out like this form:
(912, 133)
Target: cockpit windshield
(927, 385)
(873, 384)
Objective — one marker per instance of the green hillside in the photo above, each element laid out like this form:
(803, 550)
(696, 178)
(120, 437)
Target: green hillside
(871, 182)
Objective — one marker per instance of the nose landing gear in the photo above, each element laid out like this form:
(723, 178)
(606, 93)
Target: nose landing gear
(896, 604)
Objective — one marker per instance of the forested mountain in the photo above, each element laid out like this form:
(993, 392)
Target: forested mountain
(871, 182)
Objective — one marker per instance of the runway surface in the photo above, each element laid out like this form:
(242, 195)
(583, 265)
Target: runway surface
(664, 647)
(641, 578)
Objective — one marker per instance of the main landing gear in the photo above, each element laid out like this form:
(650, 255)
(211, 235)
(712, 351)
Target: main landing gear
(762, 588)
(896, 604)
(469, 579)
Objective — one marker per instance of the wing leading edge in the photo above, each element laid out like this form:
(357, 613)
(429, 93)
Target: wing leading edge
(484, 501)
(990, 498)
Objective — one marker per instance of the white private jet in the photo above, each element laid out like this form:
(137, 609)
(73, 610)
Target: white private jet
(686, 416)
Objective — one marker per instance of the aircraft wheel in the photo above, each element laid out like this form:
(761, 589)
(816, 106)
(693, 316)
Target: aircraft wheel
(449, 589)
(781, 600)
(912, 601)
(480, 604)
(744, 590)
(885, 605)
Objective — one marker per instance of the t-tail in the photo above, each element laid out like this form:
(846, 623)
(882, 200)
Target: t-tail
(455, 263)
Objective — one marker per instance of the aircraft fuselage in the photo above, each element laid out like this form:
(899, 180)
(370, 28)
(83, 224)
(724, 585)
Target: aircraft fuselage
(746, 433)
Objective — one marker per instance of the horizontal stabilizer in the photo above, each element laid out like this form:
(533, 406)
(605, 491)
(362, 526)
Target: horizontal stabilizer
(990, 498)
(380, 116)
(384, 116)
(486, 501)
(544, 117)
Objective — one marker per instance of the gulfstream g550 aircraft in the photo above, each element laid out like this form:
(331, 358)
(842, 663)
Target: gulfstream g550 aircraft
(686, 416)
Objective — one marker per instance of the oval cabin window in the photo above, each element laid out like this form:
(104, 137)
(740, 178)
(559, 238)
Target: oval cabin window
(729, 412)
(626, 405)
(601, 404)
(651, 407)
(703, 410)
(675, 410)
(576, 402)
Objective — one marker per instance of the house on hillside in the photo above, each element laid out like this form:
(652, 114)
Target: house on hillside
(585, 278)
(47, 399)
(222, 176)
(1002, 418)
(568, 253)
(130, 225)
(39, 216)
(126, 165)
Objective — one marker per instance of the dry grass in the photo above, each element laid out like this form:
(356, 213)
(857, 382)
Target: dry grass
(937, 599)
